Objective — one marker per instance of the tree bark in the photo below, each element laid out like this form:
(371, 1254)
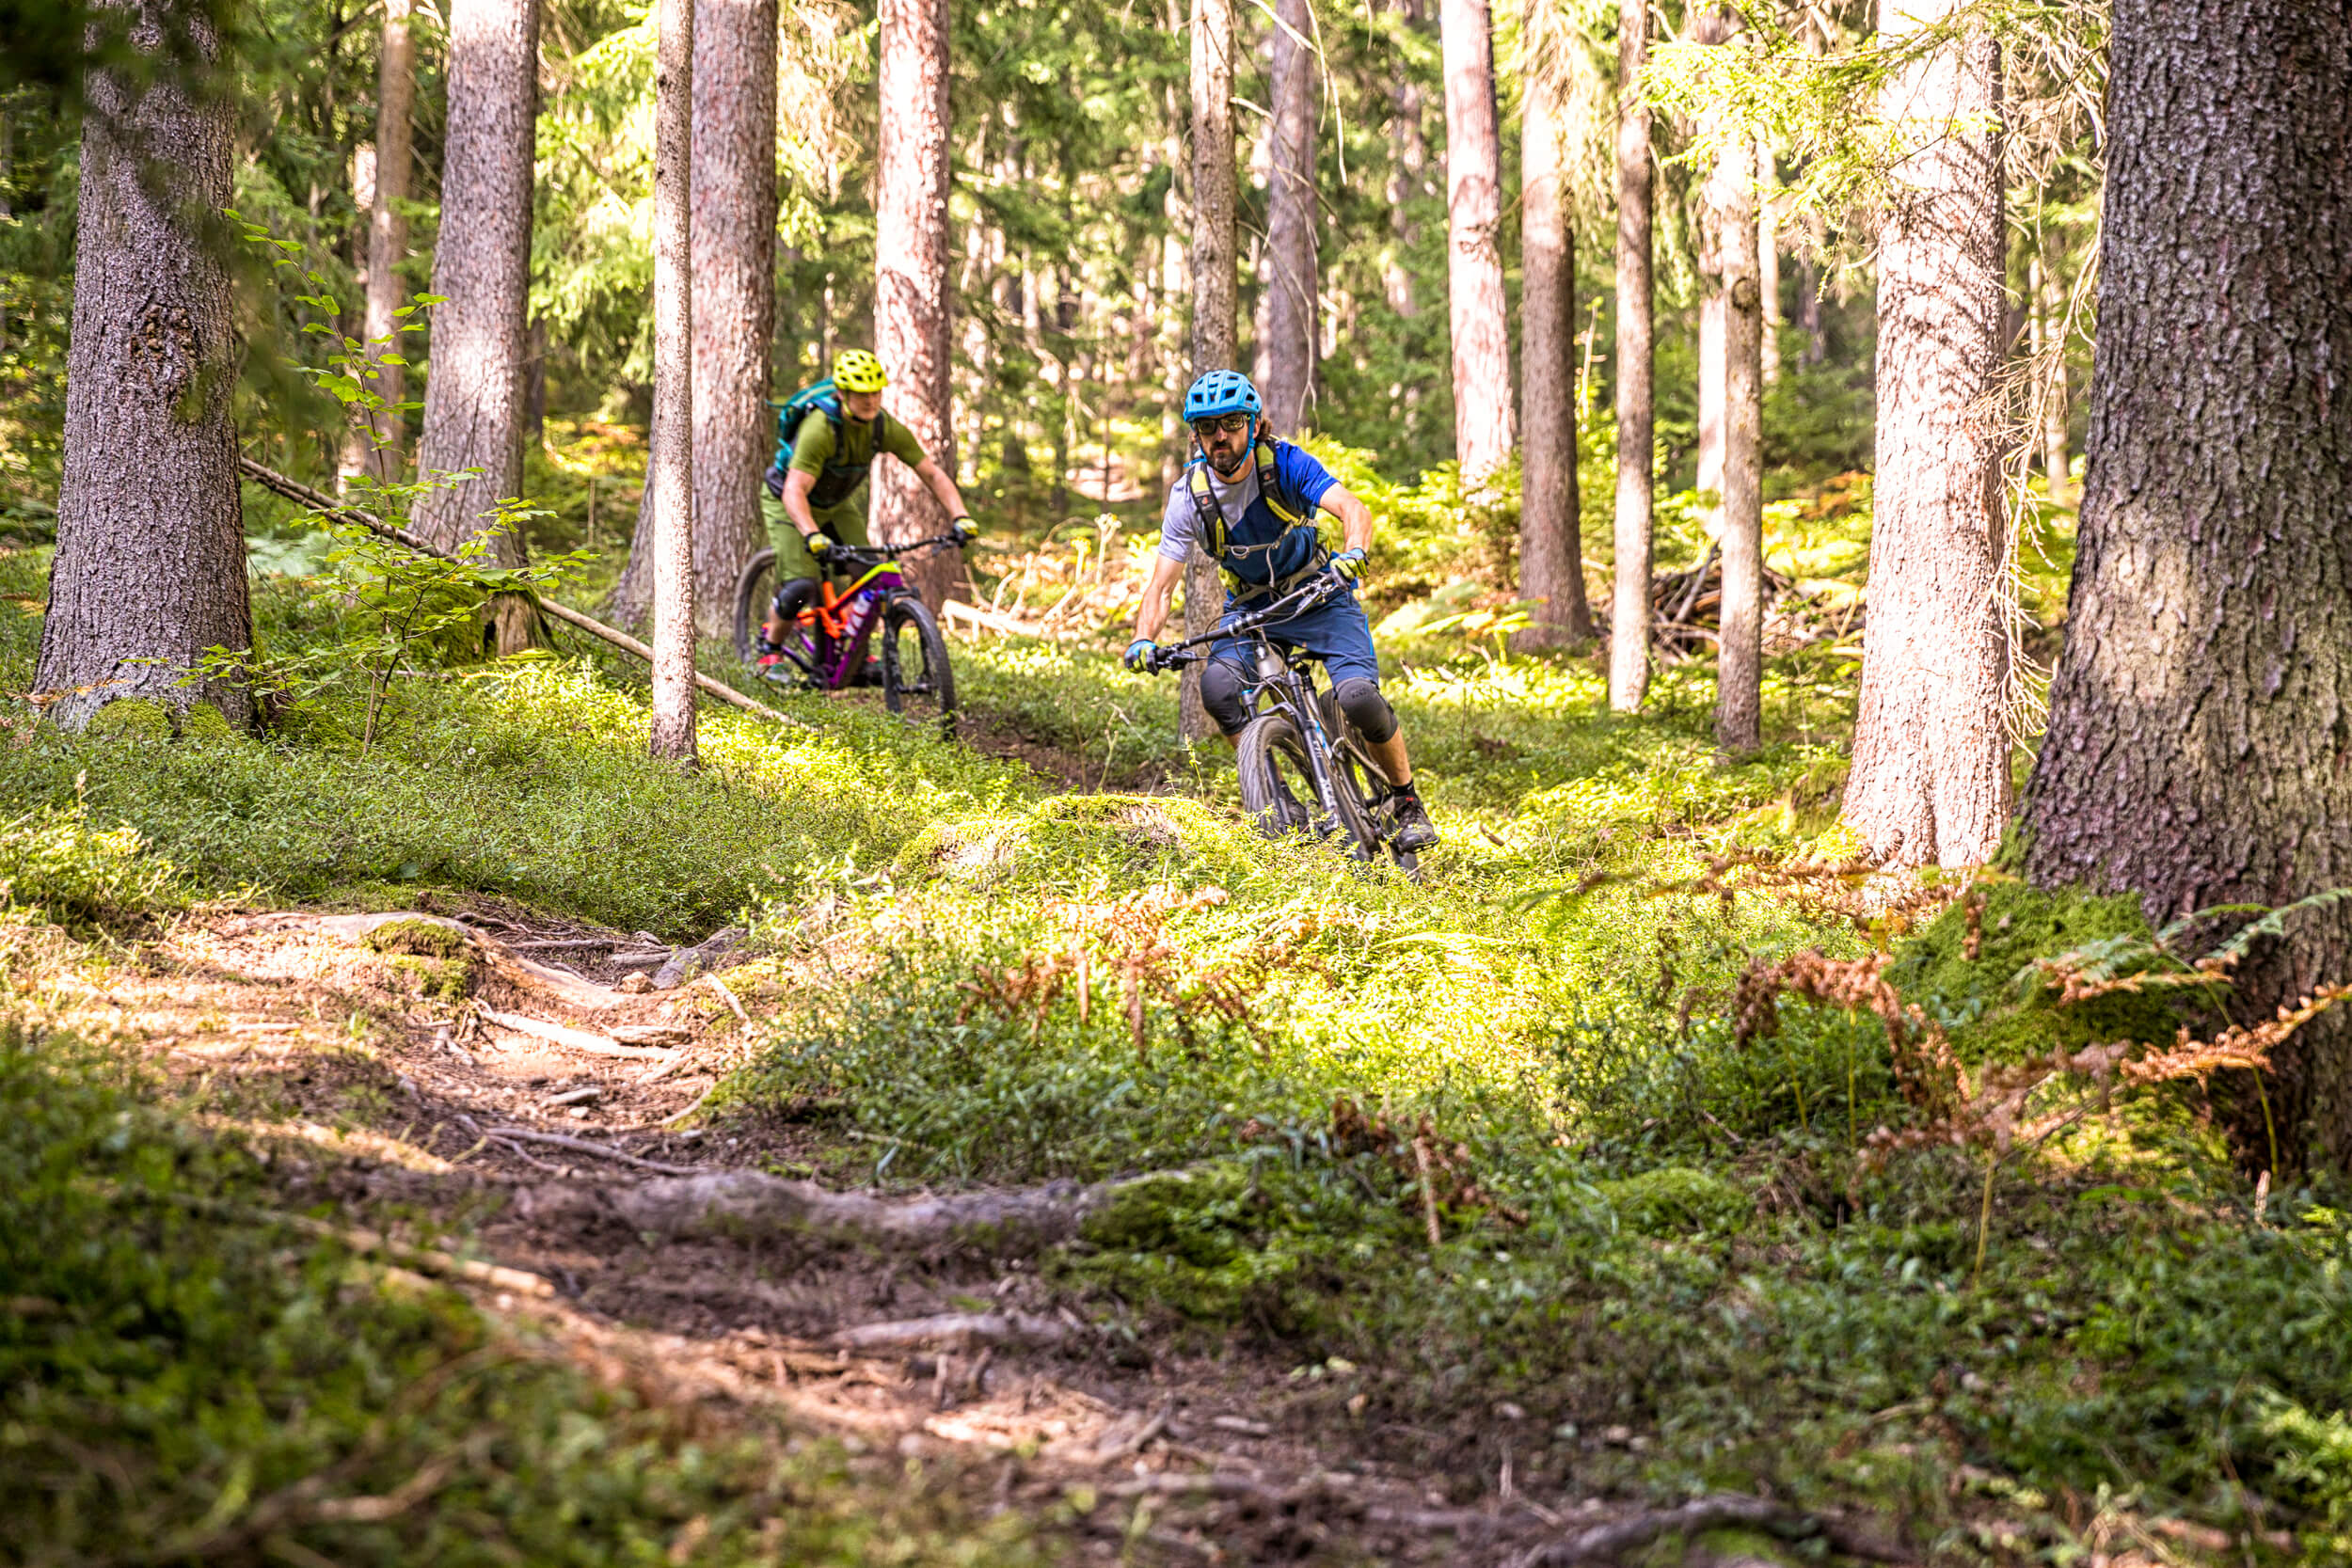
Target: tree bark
(473, 395)
(911, 304)
(1214, 288)
(375, 450)
(671, 474)
(1473, 177)
(2197, 738)
(1768, 258)
(1409, 156)
(735, 290)
(1728, 218)
(2047, 300)
(150, 565)
(1930, 780)
(1291, 275)
(1629, 610)
(1551, 562)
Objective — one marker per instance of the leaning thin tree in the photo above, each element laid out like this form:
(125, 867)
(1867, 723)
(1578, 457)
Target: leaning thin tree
(2198, 722)
(150, 568)
(1931, 781)
(672, 735)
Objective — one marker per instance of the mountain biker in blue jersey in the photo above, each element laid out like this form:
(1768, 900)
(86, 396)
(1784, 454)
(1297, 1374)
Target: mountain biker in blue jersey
(1251, 501)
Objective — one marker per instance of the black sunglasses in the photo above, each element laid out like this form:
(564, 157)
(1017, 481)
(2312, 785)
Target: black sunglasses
(1234, 422)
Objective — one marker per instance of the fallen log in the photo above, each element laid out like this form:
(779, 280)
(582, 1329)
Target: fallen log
(745, 1203)
(326, 506)
(955, 1331)
(569, 1037)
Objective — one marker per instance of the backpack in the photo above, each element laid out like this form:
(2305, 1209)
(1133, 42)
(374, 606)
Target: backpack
(840, 479)
(1292, 512)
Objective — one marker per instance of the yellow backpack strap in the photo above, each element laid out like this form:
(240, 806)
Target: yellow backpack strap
(1263, 457)
(1205, 510)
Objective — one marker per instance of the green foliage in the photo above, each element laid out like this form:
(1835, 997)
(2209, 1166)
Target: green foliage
(185, 1376)
(59, 867)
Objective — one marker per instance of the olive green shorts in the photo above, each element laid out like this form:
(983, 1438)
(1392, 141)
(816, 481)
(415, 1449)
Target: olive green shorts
(846, 522)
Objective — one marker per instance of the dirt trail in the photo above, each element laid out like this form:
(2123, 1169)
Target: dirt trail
(485, 1068)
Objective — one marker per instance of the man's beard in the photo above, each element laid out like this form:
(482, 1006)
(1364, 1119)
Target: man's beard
(1224, 472)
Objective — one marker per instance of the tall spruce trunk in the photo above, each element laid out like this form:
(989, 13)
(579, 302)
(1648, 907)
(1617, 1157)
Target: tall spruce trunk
(374, 445)
(1733, 302)
(671, 474)
(1552, 562)
(1409, 157)
(1930, 780)
(1473, 181)
(2196, 748)
(1215, 286)
(1290, 276)
(735, 290)
(473, 392)
(1768, 258)
(1629, 607)
(150, 565)
(911, 304)
(2046, 294)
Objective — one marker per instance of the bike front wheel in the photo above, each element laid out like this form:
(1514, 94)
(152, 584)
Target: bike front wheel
(917, 685)
(1278, 784)
(754, 586)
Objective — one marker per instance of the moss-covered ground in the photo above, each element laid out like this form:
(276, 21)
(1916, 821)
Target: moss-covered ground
(1480, 1156)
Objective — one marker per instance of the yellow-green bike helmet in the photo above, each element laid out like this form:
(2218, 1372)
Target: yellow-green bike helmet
(856, 370)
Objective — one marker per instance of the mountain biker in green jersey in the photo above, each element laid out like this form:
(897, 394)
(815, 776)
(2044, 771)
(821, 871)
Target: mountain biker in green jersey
(1250, 502)
(815, 497)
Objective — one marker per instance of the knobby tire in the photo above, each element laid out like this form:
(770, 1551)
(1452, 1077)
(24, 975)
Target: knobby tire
(1266, 744)
(917, 684)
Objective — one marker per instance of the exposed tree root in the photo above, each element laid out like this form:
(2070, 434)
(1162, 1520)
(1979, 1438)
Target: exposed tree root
(956, 1331)
(750, 1203)
(1605, 1542)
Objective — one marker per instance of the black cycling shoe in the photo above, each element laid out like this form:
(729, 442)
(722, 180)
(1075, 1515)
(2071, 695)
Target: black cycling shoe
(1414, 830)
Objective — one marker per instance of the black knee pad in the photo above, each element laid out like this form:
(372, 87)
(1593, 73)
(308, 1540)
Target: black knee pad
(1369, 711)
(1222, 683)
(793, 595)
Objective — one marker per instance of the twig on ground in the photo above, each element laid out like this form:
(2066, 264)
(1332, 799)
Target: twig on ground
(1119, 1447)
(564, 1035)
(726, 996)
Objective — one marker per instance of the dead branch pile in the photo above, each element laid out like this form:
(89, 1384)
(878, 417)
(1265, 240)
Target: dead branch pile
(1686, 609)
(1064, 591)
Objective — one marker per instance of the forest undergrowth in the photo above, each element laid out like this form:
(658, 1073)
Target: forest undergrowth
(1559, 1162)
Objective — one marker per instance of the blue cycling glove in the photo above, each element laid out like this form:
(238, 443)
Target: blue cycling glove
(1140, 652)
(1350, 565)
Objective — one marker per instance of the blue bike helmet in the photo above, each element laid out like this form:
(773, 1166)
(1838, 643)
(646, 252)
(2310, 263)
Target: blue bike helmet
(1223, 393)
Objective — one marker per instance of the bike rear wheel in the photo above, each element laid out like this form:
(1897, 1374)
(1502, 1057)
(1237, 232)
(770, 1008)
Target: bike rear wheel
(917, 684)
(1278, 784)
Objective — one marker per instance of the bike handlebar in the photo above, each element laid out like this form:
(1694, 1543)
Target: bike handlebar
(1315, 590)
(875, 555)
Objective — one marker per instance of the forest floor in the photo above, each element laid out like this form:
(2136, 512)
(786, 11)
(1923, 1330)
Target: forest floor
(353, 1052)
(1051, 1168)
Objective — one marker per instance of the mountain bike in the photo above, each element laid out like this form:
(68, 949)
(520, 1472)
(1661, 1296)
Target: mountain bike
(1300, 746)
(829, 630)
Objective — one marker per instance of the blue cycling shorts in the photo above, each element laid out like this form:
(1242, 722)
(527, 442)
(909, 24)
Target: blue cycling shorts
(1337, 633)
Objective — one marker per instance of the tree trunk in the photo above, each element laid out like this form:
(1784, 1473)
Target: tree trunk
(1768, 258)
(1408, 155)
(1214, 287)
(1629, 610)
(1551, 567)
(375, 450)
(669, 478)
(911, 304)
(150, 565)
(1735, 305)
(2195, 752)
(473, 395)
(1291, 275)
(2047, 300)
(1930, 780)
(735, 290)
(1473, 177)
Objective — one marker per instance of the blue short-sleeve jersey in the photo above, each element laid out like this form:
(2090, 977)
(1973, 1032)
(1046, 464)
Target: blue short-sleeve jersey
(1260, 547)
